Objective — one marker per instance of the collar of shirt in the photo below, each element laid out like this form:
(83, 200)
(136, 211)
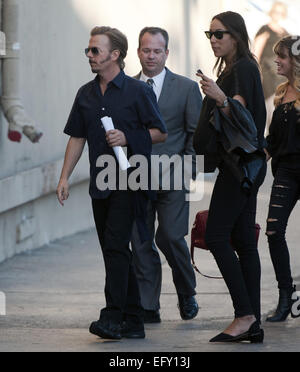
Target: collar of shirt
(158, 81)
(117, 81)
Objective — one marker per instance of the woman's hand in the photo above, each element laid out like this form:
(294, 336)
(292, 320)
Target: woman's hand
(211, 89)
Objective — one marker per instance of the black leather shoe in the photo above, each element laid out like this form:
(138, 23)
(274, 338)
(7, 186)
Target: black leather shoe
(132, 332)
(254, 334)
(152, 316)
(188, 307)
(284, 306)
(106, 329)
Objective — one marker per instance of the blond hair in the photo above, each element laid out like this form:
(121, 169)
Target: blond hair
(277, 4)
(289, 43)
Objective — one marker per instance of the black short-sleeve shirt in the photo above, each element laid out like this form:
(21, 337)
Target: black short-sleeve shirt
(130, 103)
(244, 80)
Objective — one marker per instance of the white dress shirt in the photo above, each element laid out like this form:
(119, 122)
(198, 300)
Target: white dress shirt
(158, 82)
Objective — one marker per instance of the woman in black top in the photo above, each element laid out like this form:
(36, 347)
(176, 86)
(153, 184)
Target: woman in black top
(284, 148)
(232, 212)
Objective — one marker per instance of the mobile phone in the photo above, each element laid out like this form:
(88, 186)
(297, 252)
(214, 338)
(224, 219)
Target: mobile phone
(200, 71)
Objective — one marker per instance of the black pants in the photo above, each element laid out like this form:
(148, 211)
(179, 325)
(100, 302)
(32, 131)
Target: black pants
(285, 193)
(114, 219)
(232, 216)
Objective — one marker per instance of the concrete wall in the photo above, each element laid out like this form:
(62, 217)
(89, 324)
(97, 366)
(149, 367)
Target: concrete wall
(53, 34)
(52, 68)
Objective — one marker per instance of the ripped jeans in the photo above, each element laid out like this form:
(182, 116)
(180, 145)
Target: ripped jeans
(285, 194)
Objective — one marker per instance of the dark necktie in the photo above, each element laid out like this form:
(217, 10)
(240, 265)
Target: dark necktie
(150, 82)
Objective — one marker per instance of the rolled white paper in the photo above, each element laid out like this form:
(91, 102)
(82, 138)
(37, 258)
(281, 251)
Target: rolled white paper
(120, 155)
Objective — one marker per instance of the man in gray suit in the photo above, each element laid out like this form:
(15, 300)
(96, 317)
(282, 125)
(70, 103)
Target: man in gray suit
(180, 101)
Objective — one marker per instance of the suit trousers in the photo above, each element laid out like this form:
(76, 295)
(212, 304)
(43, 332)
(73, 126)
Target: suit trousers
(114, 219)
(172, 211)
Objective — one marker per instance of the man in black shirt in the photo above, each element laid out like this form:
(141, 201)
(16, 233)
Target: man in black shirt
(138, 123)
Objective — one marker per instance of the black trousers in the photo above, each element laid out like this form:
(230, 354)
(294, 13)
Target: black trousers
(232, 216)
(284, 196)
(114, 219)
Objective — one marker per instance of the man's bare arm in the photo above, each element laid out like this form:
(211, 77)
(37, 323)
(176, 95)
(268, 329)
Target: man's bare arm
(73, 153)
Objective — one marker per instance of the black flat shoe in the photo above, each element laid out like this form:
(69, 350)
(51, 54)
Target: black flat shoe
(254, 334)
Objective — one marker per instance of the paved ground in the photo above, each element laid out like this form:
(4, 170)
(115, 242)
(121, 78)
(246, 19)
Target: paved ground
(54, 293)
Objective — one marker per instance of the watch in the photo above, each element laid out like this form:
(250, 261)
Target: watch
(225, 103)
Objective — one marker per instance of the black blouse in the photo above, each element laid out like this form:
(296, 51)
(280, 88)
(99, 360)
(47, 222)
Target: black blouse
(284, 138)
(244, 80)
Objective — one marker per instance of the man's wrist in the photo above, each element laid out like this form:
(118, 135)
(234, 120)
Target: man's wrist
(64, 177)
(124, 140)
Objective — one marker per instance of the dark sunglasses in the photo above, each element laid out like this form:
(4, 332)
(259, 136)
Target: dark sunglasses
(94, 50)
(217, 34)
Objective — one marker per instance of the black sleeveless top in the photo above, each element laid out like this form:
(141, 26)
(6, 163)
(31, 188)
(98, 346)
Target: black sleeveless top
(284, 138)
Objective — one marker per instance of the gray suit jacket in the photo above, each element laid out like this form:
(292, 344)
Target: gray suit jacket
(180, 105)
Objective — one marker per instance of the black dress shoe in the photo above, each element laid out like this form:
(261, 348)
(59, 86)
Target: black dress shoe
(152, 316)
(129, 331)
(188, 307)
(106, 329)
(254, 334)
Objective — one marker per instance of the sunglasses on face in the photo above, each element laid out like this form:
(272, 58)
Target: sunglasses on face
(94, 50)
(217, 34)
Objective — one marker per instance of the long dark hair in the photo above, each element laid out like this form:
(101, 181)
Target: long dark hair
(235, 24)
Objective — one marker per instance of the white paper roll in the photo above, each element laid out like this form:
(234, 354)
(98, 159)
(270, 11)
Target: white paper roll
(120, 155)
